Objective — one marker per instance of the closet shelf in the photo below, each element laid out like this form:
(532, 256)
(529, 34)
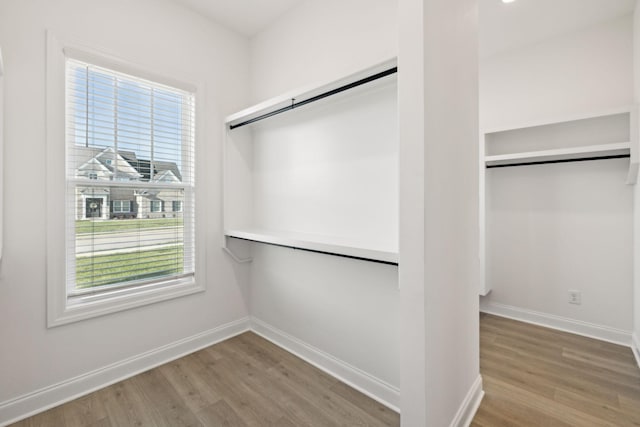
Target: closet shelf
(302, 95)
(316, 243)
(560, 154)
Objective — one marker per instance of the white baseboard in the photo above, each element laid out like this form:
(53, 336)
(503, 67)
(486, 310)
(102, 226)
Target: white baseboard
(591, 330)
(470, 405)
(367, 384)
(27, 405)
(635, 347)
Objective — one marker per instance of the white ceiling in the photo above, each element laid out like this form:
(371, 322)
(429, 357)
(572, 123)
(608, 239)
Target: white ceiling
(246, 17)
(505, 26)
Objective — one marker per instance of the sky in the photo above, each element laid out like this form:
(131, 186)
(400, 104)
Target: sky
(109, 109)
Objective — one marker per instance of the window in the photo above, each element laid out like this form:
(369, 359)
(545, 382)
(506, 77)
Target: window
(177, 206)
(121, 206)
(156, 205)
(133, 130)
(123, 128)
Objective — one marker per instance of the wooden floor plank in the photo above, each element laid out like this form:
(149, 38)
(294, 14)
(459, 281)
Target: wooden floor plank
(612, 365)
(613, 414)
(370, 406)
(50, 418)
(252, 407)
(293, 406)
(85, 411)
(194, 392)
(124, 405)
(220, 414)
(535, 376)
(164, 403)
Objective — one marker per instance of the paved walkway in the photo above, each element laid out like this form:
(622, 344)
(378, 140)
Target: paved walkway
(117, 241)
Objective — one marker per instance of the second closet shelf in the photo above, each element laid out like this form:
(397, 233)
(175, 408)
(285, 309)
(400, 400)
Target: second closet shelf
(317, 243)
(560, 154)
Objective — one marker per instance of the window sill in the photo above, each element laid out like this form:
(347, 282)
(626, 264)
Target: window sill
(80, 308)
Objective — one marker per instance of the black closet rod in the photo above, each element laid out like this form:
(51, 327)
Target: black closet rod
(542, 162)
(294, 104)
(379, 261)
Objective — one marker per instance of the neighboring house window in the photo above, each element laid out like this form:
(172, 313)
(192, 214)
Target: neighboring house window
(130, 129)
(177, 206)
(156, 206)
(121, 206)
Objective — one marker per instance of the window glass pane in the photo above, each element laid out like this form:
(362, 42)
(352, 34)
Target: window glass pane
(127, 250)
(129, 152)
(121, 206)
(156, 206)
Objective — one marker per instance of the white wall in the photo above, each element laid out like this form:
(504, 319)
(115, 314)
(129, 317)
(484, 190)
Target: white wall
(557, 227)
(581, 72)
(636, 234)
(331, 168)
(168, 39)
(411, 274)
(322, 40)
(552, 228)
(451, 258)
(343, 307)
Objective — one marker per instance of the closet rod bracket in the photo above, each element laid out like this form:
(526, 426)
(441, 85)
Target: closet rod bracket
(235, 257)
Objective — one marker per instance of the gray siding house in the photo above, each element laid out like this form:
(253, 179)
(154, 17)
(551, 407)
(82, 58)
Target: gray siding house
(112, 201)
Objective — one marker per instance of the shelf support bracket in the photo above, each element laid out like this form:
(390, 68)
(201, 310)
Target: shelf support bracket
(235, 257)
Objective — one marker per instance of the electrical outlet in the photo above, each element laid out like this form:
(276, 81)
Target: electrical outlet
(575, 297)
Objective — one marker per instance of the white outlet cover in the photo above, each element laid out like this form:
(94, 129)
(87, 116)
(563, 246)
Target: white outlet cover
(575, 297)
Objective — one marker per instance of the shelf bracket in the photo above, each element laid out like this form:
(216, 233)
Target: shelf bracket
(235, 257)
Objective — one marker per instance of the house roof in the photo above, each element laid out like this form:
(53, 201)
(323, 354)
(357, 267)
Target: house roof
(168, 166)
(94, 165)
(96, 158)
(166, 176)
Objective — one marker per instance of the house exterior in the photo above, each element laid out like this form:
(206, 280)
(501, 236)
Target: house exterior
(124, 202)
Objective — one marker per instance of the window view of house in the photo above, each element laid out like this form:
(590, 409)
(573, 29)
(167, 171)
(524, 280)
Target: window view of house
(141, 203)
(130, 180)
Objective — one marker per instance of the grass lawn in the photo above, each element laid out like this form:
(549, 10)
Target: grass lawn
(125, 267)
(103, 226)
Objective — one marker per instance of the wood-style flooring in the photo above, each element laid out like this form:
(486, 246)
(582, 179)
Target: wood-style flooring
(243, 381)
(534, 376)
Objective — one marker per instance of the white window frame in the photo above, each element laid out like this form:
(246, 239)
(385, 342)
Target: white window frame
(179, 204)
(60, 310)
(121, 210)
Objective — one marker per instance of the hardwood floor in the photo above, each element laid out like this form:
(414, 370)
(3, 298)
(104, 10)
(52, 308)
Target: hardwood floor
(534, 376)
(244, 381)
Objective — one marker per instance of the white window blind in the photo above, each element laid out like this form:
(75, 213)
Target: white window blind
(130, 151)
